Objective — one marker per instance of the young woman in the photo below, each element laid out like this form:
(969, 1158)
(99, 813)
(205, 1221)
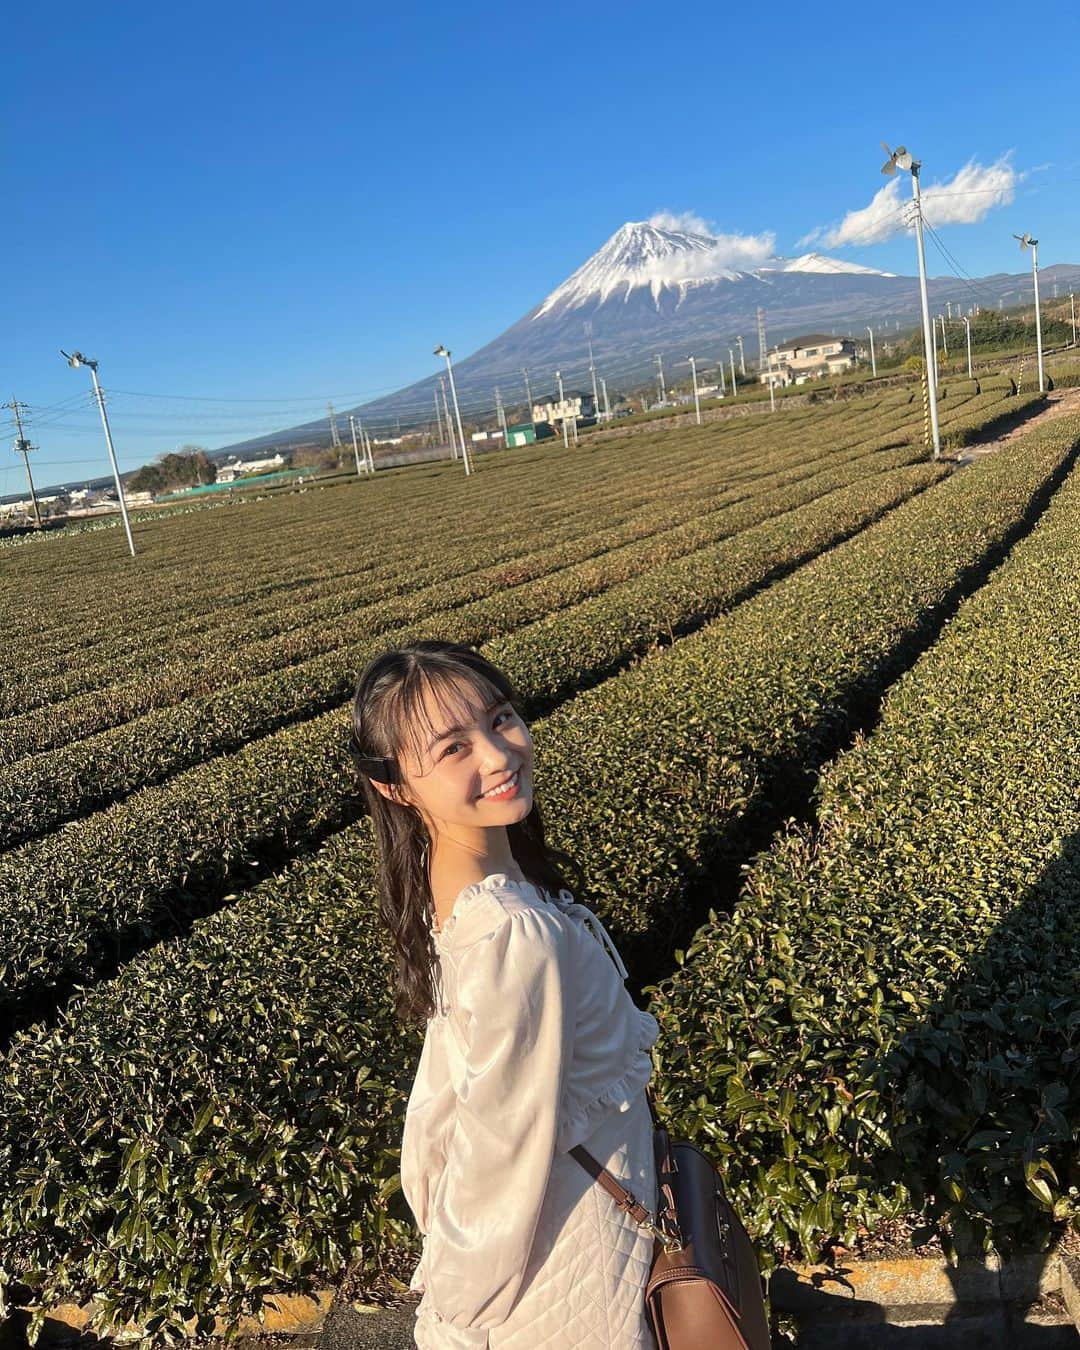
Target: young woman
(532, 1044)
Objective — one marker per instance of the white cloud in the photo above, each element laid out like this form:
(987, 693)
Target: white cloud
(963, 200)
(680, 220)
(725, 252)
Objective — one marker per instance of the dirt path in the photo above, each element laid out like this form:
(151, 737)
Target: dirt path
(1058, 403)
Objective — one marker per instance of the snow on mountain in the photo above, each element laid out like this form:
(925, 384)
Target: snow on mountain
(819, 262)
(643, 254)
(638, 254)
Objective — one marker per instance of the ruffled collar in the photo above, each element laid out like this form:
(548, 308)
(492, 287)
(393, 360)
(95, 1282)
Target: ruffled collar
(564, 901)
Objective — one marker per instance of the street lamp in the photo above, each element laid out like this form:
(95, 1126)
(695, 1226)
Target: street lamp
(900, 158)
(1026, 241)
(75, 360)
(440, 350)
(697, 402)
(873, 358)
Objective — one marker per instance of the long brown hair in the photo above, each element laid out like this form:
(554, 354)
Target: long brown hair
(388, 715)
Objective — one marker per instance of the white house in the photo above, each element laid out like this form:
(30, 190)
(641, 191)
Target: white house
(228, 473)
(808, 358)
(573, 405)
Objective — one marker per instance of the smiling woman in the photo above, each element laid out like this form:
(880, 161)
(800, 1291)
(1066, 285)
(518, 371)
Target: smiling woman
(532, 1045)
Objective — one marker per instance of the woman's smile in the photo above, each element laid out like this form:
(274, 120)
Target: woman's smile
(505, 790)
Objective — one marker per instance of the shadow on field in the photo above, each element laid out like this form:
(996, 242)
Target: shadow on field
(785, 782)
(980, 1093)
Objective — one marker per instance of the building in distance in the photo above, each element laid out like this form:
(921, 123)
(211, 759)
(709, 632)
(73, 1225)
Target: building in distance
(808, 358)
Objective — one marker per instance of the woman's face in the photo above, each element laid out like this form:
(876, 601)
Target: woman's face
(473, 743)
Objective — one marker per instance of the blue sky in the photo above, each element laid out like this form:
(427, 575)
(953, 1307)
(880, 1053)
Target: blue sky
(256, 208)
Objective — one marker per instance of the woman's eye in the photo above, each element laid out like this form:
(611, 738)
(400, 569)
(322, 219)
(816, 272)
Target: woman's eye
(505, 712)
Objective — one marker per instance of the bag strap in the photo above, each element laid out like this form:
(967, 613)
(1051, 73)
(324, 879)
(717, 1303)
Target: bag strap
(666, 1231)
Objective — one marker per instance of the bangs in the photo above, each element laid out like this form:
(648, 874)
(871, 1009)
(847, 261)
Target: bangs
(452, 696)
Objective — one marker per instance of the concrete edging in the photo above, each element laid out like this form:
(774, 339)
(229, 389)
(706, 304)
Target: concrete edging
(909, 1289)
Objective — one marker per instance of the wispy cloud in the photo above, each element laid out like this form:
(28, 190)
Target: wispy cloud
(724, 253)
(962, 200)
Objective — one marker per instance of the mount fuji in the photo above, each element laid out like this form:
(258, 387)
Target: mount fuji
(654, 289)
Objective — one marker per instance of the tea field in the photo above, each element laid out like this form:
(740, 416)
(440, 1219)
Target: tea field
(804, 705)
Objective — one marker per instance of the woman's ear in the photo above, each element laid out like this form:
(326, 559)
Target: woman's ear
(393, 792)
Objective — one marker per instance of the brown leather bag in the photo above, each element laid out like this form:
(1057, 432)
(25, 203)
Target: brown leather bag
(704, 1290)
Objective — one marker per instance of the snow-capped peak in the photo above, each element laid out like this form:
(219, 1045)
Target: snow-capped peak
(642, 253)
(818, 262)
(638, 254)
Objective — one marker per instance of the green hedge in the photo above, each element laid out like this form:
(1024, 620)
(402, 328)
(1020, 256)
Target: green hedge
(196, 1055)
(466, 572)
(891, 1019)
(167, 850)
(242, 594)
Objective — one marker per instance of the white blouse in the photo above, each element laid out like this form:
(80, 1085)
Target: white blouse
(535, 1041)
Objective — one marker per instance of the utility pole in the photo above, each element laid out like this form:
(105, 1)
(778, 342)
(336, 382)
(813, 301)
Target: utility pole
(697, 402)
(558, 381)
(23, 447)
(607, 409)
(761, 338)
(1033, 244)
(944, 337)
(720, 369)
(75, 360)
(355, 446)
(592, 367)
(1072, 306)
(449, 424)
(501, 415)
(438, 415)
(366, 436)
(660, 368)
(734, 385)
(967, 325)
(873, 358)
(335, 439)
(440, 350)
(528, 392)
(742, 358)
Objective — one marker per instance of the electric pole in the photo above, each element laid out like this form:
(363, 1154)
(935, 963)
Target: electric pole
(449, 424)
(873, 358)
(355, 447)
(335, 439)
(607, 409)
(501, 415)
(697, 402)
(528, 393)
(742, 358)
(967, 325)
(23, 447)
(761, 338)
(592, 368)
(75, 360)
(660, 368)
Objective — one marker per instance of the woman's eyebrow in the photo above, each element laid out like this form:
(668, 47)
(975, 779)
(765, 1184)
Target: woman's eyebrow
(454, 731)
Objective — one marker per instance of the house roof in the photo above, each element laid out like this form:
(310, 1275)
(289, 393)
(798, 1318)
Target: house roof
(810, 340)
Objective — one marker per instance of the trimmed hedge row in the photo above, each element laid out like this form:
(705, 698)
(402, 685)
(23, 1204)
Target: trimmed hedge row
(165, 850)
(891, 1019)
(224, 1118)
(203, 1095)
(252, 571)
(137, 647)
(468, 574)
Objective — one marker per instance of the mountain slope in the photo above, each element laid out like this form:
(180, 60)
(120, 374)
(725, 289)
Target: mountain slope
(652, 289)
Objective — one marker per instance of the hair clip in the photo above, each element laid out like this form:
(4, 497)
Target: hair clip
(378, 767)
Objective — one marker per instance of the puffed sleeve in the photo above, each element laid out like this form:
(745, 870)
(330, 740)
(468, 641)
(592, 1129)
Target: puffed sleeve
(512, 1013)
